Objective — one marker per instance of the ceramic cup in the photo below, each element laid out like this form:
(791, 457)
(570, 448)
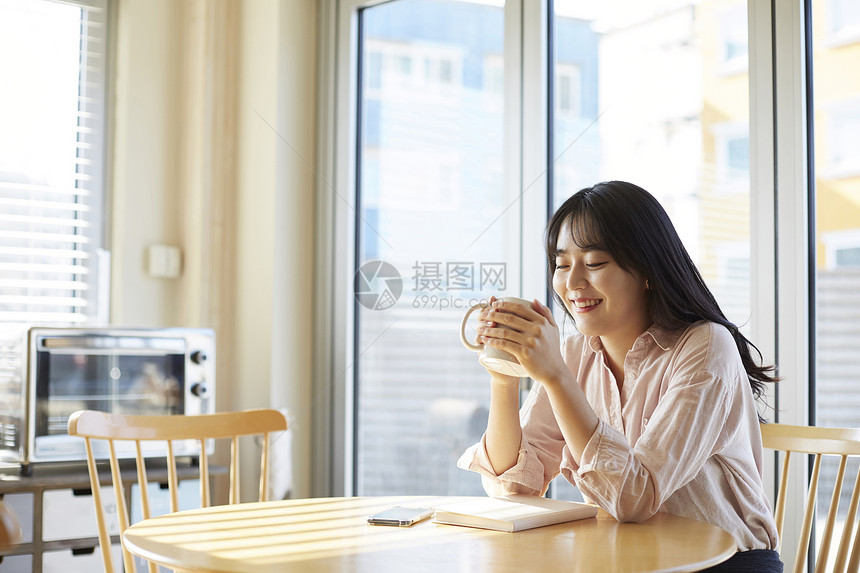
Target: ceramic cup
(493, 358)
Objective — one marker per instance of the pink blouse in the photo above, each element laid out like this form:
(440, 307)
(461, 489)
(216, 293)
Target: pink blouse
(681, 436)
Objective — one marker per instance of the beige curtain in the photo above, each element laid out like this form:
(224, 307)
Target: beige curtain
(208, 177)
(208, 167)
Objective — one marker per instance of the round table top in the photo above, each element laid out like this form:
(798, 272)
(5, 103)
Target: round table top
(332, 534)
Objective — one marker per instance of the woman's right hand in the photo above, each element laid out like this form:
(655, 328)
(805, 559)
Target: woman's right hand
(496, 379)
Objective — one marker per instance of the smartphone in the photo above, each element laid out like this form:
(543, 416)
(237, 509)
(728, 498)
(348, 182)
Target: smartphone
(400, 516)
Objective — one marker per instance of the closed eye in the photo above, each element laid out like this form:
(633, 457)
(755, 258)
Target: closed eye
(595, 265)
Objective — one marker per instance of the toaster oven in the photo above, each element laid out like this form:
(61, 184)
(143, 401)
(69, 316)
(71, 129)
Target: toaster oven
(48, 373)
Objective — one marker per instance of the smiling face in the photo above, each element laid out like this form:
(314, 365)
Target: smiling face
(603, 298)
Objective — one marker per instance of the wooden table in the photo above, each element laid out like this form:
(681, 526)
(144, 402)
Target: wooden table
(331, 534)
(43, 481)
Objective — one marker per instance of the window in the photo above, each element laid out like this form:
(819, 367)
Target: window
(835, 122)
(841, 249)
(731, 156)
(52, 161)
(413, 69)
(839, 135)
(568, 90)
(440, 222)
(429, 194)
(734, 44)
(494, 82)
(843, 21)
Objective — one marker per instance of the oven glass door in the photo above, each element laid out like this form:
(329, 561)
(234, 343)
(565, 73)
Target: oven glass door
(121, 376)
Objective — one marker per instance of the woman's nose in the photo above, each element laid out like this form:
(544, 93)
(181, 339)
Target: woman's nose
(575, 278)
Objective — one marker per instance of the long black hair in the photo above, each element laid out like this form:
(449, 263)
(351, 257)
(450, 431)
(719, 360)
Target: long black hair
(627, 222)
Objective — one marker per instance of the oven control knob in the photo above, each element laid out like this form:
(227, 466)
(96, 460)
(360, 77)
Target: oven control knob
(198, 357)
(200, 389)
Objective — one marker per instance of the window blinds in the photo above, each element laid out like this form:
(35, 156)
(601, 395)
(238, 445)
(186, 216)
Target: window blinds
(52, 109)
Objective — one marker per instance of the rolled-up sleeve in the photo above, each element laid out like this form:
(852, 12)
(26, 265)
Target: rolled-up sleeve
(526, 476)
(606, 452)
(539, 457)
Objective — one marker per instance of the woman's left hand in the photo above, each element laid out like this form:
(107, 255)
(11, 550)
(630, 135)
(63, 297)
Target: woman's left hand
(529, 333)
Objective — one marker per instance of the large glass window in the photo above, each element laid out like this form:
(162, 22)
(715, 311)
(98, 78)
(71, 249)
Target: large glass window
(51, 160)
(655, 94)
(437, 230)
(835, 124)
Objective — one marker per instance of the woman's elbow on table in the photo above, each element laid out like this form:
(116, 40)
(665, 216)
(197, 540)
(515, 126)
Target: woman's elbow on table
(633, 515)
(495, 487)
(630, 506)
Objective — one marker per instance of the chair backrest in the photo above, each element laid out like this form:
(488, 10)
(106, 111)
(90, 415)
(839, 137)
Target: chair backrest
(842, 442)
(93, 425)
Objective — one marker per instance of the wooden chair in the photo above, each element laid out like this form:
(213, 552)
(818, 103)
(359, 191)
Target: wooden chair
(843, 442)
(93, 425)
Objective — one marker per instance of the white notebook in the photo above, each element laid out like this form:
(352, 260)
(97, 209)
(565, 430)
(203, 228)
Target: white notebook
(511, 513)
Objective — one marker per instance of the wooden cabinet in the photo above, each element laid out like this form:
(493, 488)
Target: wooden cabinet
(55, 508)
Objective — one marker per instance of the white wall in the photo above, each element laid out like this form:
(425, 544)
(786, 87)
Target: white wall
(276, 202)
(144, 183)
(265, 345)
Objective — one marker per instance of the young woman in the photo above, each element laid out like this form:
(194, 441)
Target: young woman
(650, 407)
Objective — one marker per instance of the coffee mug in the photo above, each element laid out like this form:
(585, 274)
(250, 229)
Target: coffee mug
(493, 358)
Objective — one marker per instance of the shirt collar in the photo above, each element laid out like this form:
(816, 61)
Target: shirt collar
(665, 339)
